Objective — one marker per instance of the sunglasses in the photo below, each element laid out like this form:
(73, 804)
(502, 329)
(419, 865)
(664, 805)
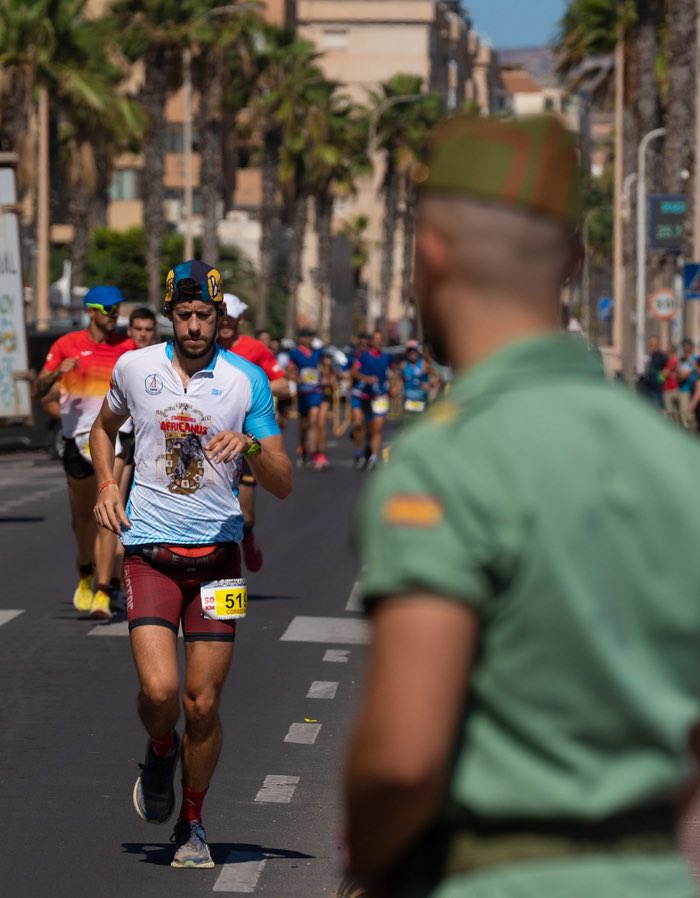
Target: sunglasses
(103, 310)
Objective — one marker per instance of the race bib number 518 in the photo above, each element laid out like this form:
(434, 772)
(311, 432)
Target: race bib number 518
(224, 599)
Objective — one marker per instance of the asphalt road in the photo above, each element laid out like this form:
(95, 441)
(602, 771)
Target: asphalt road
(70, 740)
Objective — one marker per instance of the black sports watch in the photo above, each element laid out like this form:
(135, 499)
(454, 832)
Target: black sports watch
(255, 448)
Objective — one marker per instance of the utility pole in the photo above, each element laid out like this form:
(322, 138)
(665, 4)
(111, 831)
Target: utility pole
(620, 311)
(42, 266)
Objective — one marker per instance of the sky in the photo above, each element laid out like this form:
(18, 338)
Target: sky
(516, 23)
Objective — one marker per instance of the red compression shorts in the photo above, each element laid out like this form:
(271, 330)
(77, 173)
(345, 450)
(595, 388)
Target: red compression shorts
(165, 595)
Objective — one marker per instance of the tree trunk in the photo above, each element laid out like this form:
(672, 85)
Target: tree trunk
(268, 221)
(300, 219)
(324, 218)
(679, 155)
(79, 209)
(389, 228)
(211, 148)
(153, 95)
(409, 229)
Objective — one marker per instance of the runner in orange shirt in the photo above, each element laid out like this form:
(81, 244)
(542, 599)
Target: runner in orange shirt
(82, 362)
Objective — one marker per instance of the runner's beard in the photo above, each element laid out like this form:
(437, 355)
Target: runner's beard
(188, 353)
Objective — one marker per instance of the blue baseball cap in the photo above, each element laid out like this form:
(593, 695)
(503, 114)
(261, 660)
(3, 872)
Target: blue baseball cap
(103, 298)
(205, 276)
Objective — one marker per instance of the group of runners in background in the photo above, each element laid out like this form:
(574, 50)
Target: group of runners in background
(363, 384)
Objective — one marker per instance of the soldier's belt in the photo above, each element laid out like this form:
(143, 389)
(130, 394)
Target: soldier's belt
(496, 842)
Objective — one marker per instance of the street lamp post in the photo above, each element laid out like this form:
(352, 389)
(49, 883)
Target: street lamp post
(642, 241)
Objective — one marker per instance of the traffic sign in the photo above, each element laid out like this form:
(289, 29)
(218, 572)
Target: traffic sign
(606, 308)
(662, 304)
(691, 280)
(667, 221)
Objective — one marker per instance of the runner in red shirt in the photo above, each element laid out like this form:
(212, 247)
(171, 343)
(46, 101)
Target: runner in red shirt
(82, 363)
(254, 351)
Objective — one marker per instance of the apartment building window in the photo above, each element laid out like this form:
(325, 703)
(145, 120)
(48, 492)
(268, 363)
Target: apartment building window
(335, 39)
(125, 184)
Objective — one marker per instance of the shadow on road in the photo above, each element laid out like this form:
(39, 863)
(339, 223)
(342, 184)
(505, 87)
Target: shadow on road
(160, 854)
(21, 519)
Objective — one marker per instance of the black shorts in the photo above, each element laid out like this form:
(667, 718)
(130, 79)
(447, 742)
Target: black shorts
(74, 464)
(167, 595)
(128, 444)
(247, 476)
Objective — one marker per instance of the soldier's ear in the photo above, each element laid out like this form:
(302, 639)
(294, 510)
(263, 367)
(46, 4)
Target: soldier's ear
(432, 250)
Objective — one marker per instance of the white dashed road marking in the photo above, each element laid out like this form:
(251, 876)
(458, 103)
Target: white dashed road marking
(303, 733)
(241, 872)
(322, 689)
(27, 498)
(337, 656)
(6, 616)
(354, 602)
(119, 629)
(277, 789)
(351, 631)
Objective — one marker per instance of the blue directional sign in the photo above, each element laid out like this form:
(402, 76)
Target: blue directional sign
(606, 308)
(691, 280)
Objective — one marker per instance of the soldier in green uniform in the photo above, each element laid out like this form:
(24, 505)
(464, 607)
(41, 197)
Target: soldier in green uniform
(533, 692)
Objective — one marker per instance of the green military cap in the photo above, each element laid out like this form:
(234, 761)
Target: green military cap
(530, 161)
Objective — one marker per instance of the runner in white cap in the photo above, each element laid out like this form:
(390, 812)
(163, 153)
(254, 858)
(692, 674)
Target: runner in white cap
(229, 337)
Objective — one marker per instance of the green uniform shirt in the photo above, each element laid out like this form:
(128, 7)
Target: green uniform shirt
(566, 512)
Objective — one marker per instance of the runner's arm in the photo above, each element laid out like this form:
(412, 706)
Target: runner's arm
(109, 510)
(280, 388)
(400, 753)
(49, 375)
(272, 467)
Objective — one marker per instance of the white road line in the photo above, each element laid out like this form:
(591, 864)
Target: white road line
(322, 689)
(277, 789)
(303, 733)
(240, 873)
(337, 656)
(6, 616)
(119, 629)
(354, 602)
(351, 631)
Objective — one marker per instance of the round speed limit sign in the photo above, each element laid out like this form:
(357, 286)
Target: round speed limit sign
(662, 304)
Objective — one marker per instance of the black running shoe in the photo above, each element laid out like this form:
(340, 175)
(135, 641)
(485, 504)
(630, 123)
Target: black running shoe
(154, 792)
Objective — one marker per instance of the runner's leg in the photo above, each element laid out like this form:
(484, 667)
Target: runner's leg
(208, 663)
(81, 494)
(155, 655)
(312, 431)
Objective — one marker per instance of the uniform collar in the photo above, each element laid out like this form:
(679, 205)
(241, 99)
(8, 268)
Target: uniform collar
(549, 358)
(208, 371)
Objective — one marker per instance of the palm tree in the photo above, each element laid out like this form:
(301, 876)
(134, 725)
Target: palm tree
(353, 229)
(337, 158)
(154, 32)
(219, 36)
(679, 155)
(283, 69)
(398, 128)
(49, 49)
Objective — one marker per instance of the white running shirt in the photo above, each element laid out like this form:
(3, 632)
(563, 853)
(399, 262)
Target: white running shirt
(180, 496)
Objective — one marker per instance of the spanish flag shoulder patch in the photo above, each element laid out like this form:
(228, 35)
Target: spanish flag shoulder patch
(412, 510)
